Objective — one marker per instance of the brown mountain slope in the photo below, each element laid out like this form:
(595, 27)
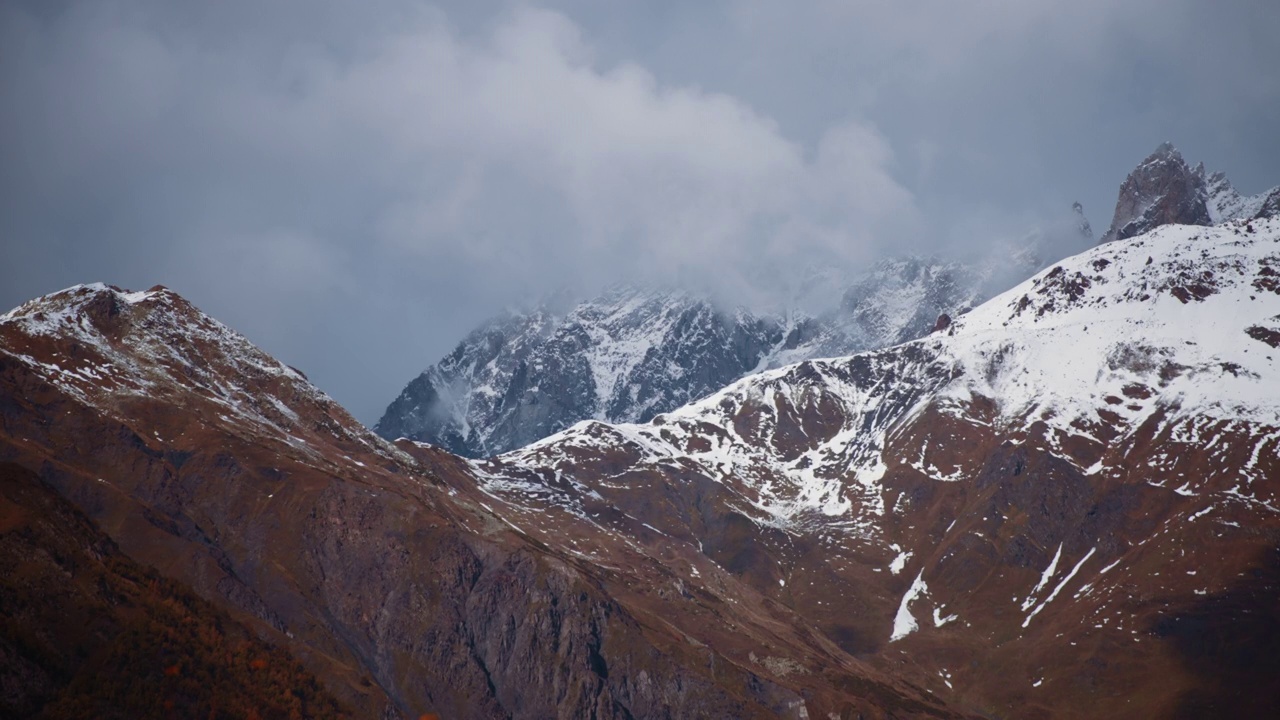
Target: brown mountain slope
(394, 580)
(1064, 504)
(85, 632)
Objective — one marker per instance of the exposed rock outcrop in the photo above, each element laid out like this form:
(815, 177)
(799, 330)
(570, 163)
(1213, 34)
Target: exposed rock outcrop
(1162, 190)
(1165, 190)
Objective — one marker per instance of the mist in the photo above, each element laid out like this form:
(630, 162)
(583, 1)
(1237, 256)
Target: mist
(355, 185)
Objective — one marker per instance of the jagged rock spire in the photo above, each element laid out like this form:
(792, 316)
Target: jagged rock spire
(1162, 190)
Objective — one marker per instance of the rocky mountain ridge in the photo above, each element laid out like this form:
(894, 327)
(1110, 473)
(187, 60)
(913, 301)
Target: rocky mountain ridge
(1045, 509)
(1061, 504)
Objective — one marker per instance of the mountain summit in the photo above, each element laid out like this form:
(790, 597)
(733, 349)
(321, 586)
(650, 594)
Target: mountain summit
(625, 355)
(1165, 190)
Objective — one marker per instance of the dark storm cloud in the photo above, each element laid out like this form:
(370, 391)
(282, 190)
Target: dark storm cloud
(353, 185)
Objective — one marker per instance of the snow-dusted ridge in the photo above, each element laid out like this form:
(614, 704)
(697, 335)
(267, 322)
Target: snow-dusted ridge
(622, 356)
(636, 351)
(1170, 325)
(1225, 203)
(131, 346)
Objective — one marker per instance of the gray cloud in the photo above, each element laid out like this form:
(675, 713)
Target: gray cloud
(353, 185)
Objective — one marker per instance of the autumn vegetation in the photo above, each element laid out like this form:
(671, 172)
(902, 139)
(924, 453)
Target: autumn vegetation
(85, 632)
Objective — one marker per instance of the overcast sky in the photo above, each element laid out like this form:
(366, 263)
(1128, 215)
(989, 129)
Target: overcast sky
(354, 185)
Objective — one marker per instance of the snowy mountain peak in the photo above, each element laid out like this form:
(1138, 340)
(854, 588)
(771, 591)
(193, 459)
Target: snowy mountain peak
(1084, 357)
(624, 355)
(1226, 203)
(111, 348)
(112, 326)
(633, 352)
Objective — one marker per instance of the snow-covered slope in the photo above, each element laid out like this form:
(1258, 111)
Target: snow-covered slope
(1182, 323)
(1091, 444)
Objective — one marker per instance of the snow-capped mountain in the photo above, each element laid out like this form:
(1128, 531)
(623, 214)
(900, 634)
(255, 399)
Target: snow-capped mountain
(632, 353)
(1078, 479)
(1165, 190)
(1183, 322)
(626, 355)
(1062, 504)
(387, 569)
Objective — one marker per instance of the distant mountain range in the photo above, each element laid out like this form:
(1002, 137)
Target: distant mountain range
(1063, 503)
(634, 352)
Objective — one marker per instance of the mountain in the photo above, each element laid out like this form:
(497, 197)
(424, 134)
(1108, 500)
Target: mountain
(1061, 504)
(1165, 190)
(1065, 504)
(393, 572)
(633, 352)
(625, 355)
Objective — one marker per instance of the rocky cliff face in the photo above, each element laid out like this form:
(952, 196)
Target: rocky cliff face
(393, 572)
(625, 355)
(1165, 190)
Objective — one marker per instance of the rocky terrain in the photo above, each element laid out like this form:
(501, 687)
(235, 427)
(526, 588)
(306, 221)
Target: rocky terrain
(1062, 505)
(87, 632)
(392, 573)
